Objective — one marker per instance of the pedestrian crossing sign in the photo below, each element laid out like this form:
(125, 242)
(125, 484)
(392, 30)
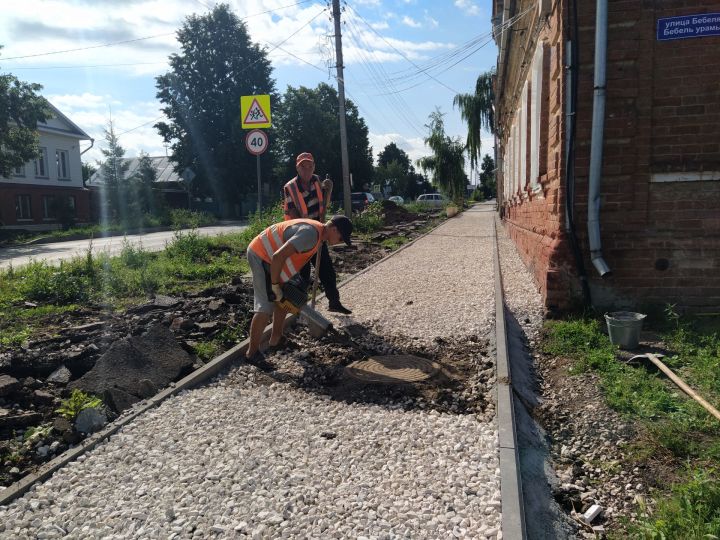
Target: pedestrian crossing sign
(255, 111)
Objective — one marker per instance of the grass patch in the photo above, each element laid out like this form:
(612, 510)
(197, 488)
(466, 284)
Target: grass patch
(395, 242)
(677, 426)
(190, 262)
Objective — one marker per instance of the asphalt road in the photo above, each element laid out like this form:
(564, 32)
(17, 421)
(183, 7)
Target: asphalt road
(59, 251)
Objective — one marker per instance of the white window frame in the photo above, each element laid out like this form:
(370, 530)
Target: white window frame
(42, 160)
(536, 87)
(19, 207)
(62, 159)
(523, 140)
(19, 171)
(518, 146)
(47, 207)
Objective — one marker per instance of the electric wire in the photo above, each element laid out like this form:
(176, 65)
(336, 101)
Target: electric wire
(449, 60)
(399, 52)
(113, 43)
(380, 78)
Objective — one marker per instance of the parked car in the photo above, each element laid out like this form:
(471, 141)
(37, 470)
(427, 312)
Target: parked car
(361, 200)
(432, 199)
(397, 199)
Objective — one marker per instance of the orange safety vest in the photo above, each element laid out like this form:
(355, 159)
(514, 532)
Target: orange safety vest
(270, 240)
(292, 191)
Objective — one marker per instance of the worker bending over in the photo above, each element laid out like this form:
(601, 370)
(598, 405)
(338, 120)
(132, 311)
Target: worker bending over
(275, 256)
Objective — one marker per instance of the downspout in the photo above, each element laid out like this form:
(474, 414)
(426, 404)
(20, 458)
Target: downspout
(596, 141)
(92, 142)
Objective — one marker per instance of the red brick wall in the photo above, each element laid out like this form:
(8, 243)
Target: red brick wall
(7, 203)
(661, 240)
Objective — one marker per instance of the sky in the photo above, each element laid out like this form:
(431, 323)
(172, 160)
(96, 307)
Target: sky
(403, 59)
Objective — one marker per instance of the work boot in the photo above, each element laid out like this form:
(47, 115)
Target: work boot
(258, 360)
(337, 307)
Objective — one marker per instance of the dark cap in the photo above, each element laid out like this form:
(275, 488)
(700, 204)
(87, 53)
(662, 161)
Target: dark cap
(345, 226)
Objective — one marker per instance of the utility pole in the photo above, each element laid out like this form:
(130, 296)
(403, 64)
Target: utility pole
(341, 111)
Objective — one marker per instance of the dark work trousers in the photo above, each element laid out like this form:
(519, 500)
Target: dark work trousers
(328, 277)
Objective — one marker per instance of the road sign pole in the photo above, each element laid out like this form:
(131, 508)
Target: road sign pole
(259, 184)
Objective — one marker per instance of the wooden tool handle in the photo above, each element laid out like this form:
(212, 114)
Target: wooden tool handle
(685, 388)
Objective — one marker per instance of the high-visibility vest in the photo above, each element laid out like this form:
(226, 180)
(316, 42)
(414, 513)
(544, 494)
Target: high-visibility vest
(270, 241)
(292, 192)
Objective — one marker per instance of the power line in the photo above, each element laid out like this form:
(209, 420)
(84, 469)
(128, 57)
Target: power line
(83, 66)
(399, 52)
(141, 125)
(113, 43)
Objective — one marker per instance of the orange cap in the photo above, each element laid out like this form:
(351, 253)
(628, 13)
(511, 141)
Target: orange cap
(305, 156)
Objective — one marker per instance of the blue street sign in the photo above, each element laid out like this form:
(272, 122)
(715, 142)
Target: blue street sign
(688, 26)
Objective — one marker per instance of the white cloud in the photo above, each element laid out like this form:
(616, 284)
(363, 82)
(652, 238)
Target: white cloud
(381, 25)
(409, 21)
(414, 146)
(468, 7)
(132, 122)
(432, 23)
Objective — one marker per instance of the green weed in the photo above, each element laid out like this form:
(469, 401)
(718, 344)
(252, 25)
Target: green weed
(692, 511)
(77, 402)
(369, 220)
(206, 350)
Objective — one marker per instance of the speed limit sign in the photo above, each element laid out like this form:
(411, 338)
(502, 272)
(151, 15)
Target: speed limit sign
(256, 142)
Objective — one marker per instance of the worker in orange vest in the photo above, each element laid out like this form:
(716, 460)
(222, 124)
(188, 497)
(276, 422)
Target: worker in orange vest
(275, 256)
(306, 197)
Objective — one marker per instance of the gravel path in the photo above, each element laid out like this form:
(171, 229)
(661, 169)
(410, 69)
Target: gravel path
(440, 286)
(241, 458)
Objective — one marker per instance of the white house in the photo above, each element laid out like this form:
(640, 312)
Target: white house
(29, 200)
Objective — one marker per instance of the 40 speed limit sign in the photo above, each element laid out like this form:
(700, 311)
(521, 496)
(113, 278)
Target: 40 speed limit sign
(256, 142)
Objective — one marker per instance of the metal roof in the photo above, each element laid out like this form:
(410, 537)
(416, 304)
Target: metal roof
(163, 170)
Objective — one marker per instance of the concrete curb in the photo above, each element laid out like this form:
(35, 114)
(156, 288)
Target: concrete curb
(513, 511)
(198, 376)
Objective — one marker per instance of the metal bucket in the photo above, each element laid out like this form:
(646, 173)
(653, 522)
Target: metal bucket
(624, 328)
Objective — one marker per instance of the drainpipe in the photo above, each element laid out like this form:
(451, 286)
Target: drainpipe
(596, 141)
(92, 142)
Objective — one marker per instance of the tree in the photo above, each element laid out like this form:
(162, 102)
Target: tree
(21, 108)
(114, 192)
(142, 183)
(447, 164)
(391, 153)
(478, 112)
(394, 167)
(488, 183)
(308, 122)
(88, 169)
(201, 95)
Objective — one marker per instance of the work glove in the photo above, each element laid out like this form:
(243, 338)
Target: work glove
(277, 291)
(326, 185)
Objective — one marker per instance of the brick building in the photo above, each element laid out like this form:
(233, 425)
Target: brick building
(650, 163)
(41, 191)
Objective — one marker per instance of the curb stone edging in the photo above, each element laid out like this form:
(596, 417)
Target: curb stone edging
(512, 507)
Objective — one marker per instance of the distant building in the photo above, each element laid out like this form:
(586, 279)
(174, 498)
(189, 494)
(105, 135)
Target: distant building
(32, 197)
(656, 236)
(167, 183)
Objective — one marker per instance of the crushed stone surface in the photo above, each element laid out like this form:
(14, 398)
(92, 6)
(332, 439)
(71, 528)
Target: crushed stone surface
(249, 457)
(442, 285)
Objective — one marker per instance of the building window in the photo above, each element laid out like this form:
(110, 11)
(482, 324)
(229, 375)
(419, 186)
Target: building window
(22, 207)
(63, 164)
(19, 171)
(71, 204)
(538, 123)
(522, 180)
(41, 164)
(49, 207)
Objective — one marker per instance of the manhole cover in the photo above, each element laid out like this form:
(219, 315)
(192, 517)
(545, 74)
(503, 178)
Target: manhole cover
(396, 369)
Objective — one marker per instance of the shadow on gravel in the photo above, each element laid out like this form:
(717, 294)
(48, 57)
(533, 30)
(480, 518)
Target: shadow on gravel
(463, 385)
(544, 519)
